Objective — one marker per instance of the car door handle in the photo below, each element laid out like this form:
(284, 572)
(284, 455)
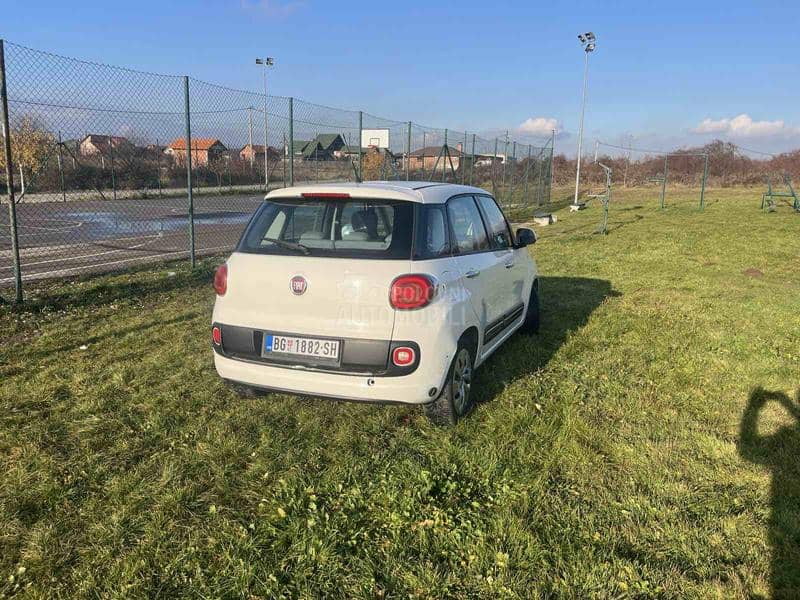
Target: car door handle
(472, 273)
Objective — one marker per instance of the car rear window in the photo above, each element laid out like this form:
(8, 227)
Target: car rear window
(346, 228)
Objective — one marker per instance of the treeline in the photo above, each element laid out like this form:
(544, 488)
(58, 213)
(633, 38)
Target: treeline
(727, 166)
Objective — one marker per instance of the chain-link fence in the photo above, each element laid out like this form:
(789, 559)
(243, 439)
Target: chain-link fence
(113, 168)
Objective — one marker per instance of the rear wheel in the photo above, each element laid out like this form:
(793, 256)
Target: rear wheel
(530, 325)
(455, 401)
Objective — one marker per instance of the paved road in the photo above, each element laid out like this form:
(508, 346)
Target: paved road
(69, 238)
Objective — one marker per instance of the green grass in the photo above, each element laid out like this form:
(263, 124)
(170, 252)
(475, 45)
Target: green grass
(605, 458)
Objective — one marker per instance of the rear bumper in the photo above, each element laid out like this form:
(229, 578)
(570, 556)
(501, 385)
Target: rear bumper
(414, 388)
(357, 356)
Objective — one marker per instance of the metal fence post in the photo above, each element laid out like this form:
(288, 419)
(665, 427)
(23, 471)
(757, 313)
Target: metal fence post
(703, 184)
(187, 115)
(158, 167)
(527, 173)
(550, 168)
(494, 170)
(472, 162)
(360, 135)
(250, 138)
(513, 170)
(408, 150)
(424, 133)
(266, 138)
(447, 150)
(505, 166)
(461, 162)
(291, 142)
(664, 182)
(12, 204)
(113, 172)
(61, 168)
(540, 179)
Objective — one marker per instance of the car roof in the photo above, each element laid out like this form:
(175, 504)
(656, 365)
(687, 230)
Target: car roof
(426, 192)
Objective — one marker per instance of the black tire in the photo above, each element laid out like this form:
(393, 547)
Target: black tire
(245, 391)
(530, 325)
(455, 400)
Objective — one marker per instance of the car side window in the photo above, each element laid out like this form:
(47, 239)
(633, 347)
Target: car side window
(469, 233)
(433, 236)
(499, 231)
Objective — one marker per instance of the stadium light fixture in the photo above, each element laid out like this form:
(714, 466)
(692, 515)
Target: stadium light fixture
(588, 41)
(266, 62)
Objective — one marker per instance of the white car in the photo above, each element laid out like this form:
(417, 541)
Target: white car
(380, 292)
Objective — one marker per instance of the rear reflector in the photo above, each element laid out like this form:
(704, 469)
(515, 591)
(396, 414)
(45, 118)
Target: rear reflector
(216, 335)
(402, 356)
(412, 291)
(221, 280)
(325, 195)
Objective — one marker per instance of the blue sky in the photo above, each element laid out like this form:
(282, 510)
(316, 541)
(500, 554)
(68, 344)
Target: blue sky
(668, 74)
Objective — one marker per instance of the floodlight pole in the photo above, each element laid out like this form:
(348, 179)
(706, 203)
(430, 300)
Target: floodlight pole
(588, 48)
(266, 63)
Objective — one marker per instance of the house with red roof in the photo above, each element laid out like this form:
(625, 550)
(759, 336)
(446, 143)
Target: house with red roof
(204, 150)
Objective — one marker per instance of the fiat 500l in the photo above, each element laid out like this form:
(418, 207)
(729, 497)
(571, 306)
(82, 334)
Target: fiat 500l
(379, 292)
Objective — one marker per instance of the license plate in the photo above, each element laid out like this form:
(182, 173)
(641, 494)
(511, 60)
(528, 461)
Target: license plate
(301, 346)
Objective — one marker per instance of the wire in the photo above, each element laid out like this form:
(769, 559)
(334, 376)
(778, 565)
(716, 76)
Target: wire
(632, 149)
(740, 148)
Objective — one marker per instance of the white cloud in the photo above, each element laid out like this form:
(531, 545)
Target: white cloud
(744, 126)
(539, 126)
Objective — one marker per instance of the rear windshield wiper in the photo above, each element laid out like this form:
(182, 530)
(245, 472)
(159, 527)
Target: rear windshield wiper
(290, 245)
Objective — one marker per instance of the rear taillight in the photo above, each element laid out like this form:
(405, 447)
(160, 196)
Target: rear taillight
(221, 280)
(409, 292)
(402, 356)
(216, 335)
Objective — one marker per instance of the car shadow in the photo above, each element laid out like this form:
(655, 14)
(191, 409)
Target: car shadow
(779, 452)
(566, 305)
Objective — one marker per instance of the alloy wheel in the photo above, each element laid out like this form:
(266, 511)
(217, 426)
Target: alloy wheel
(462, 381)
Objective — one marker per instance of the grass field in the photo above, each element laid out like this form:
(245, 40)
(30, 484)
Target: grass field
(647, 443)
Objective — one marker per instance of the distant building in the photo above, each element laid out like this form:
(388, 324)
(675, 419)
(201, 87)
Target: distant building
(331, 145)
(204, 150)
(352, 152)
(425, 158)
(94, 144)
(297, 148)
(326, 146)
(485, 160)
(256, 152)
